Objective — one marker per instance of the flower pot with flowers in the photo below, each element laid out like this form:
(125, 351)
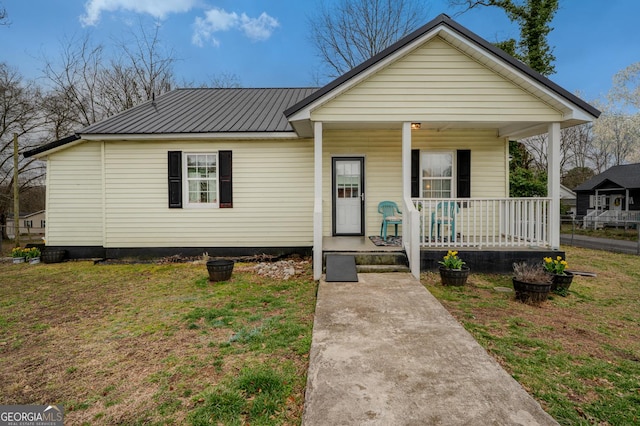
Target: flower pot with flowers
(32, 255)
(562, 278)
(531, 283)
(18, 254)
(453, 270)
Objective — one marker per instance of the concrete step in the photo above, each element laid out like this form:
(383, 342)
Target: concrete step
(381, 268)
(388, 261)
(376, 258)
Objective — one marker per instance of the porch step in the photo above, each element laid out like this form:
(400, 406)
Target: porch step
(390, 261)
(382, 268)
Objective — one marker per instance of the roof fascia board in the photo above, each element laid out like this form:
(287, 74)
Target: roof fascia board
(191, 136)
(43, 154)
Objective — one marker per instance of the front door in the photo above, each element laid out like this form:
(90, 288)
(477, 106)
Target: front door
(348, 196)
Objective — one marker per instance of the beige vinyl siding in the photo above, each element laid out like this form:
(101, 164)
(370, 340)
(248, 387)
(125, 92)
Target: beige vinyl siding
(272, 196)
(74, 196)
(383, 165)
(436, 82)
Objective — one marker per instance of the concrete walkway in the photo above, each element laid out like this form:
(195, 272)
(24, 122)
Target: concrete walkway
(385, 352)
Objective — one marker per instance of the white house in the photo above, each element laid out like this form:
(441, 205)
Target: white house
(230, 171)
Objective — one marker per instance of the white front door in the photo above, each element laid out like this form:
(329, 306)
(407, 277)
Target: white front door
(348, 196)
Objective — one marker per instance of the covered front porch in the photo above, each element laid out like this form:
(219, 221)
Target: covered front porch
(427, 122)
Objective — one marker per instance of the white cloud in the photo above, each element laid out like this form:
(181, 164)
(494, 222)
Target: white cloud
(216, 20)
(156, 8)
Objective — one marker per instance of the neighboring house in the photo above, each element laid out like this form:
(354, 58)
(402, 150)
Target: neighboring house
(610, 198)
(568, 199)
(238, 171)
(29, 223)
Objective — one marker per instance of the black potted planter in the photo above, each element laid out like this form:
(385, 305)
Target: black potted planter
(455, 277)
(561, 282)
(531, 292)
(52, 255)
(220, 269)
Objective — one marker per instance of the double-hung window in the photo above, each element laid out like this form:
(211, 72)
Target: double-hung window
(201, 179)
(437, 174)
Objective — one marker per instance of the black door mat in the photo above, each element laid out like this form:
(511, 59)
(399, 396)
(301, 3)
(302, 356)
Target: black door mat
(341, 268)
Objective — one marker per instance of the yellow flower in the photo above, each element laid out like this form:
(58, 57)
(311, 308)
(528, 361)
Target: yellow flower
(453, 253)
(564, 262)
(547, 260)
(559, 258)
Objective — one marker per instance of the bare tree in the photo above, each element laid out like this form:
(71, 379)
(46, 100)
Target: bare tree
(4, 16)
(352, 31)
(149, 63)
(626, 86)
(18, 115)
(86, 88)
(75, 82)
(617, 138)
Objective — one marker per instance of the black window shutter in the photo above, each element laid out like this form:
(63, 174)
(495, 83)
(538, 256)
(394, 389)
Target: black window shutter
(226, 184)
(415, 173)
(175, 179)
(464, 173)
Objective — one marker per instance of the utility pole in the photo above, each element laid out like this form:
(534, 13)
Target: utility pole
(16, 192)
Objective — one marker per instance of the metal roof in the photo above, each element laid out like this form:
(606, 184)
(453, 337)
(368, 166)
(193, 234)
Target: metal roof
(206, 110)
(625, 176)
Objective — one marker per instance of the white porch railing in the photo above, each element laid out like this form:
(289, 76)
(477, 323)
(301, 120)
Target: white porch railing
(600, 218)
(411, 235)
(483, 222)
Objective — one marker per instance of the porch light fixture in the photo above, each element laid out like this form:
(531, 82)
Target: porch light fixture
(415, 126)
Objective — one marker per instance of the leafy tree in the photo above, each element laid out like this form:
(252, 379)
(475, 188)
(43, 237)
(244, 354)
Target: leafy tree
(349, 32)
(533, 17)
(577, 176)
(525, 180)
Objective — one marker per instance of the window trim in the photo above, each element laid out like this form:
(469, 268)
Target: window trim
(454, 171)
(185, 181)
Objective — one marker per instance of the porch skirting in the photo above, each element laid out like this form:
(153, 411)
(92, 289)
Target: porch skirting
(94, 252)
(495, 261)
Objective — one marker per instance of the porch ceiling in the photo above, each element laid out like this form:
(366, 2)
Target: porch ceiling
(511, 130)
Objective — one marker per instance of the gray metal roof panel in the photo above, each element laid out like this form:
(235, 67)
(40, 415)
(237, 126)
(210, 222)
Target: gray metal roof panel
(206, 111)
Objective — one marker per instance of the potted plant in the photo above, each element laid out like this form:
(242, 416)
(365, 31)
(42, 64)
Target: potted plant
(32, 255)
(562, 278)
(453, 271)
(18, 254)
(531, 283)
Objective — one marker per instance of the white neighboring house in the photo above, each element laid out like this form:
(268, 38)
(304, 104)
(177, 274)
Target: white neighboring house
(249, 171)
(29, 224)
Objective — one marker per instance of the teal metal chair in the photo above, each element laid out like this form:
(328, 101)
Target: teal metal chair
(444, 215)
(391, 215)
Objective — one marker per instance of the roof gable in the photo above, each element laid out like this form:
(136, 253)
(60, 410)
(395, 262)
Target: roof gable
(464, 39)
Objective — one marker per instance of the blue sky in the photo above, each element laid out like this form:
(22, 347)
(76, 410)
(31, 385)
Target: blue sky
(265, 43)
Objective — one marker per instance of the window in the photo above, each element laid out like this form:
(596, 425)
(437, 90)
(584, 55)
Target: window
(437, 174)
(201, 179)
(28, 224)
(43, 223)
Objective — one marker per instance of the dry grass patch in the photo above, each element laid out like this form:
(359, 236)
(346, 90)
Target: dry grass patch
(147, 344)
(578, 355)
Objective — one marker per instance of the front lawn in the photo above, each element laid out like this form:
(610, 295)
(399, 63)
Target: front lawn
(155, 344)
(578, 355)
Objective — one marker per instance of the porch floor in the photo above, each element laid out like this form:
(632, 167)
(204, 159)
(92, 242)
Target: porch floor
(355, 244)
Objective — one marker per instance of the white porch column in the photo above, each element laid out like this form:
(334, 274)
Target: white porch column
(317, 203)
(410, 218)
(406, 160)
(553, 184)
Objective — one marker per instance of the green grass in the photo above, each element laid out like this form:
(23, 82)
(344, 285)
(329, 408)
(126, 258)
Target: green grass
(155, 344)
(613, 233)
(578, 355)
